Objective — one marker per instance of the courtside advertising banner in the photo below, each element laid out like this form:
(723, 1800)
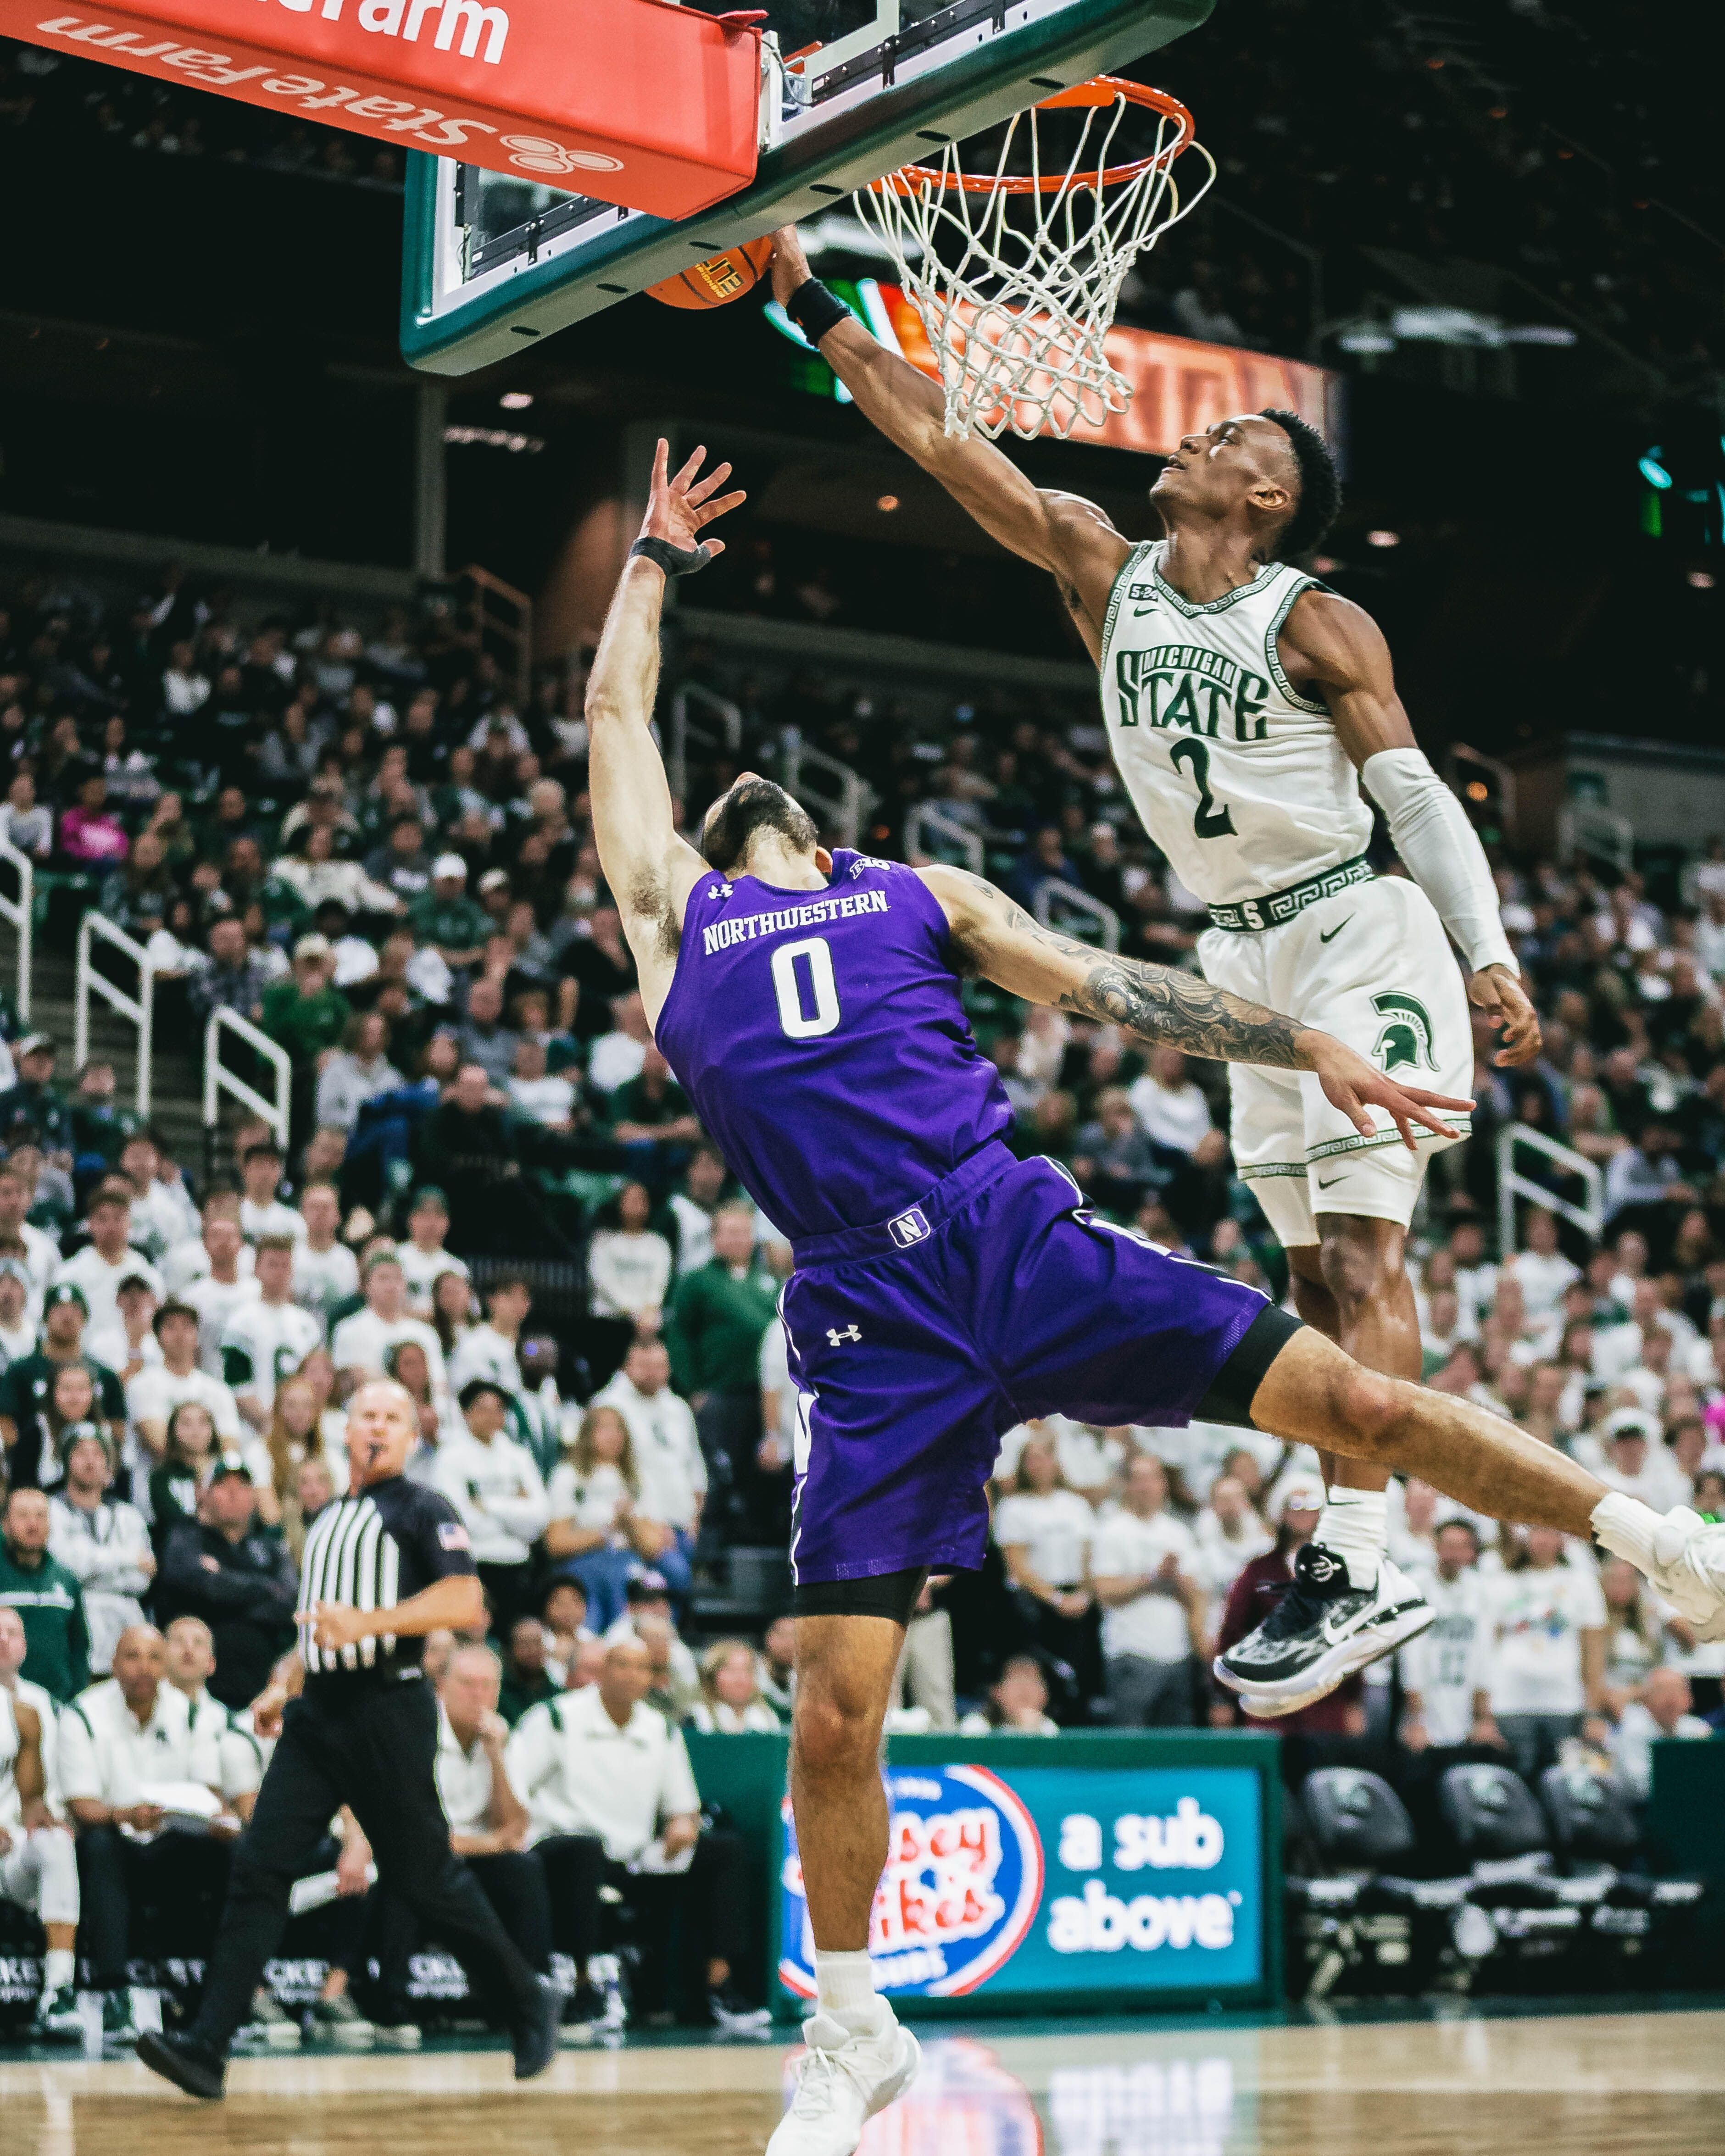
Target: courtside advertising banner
(1088, 1883)
(639, 102)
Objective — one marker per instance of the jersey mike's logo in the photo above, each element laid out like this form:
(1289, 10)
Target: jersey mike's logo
(962, 1882)
(1403, 1040)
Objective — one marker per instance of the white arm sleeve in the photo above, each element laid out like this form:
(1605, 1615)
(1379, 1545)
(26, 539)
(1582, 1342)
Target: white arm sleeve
(1442, 850)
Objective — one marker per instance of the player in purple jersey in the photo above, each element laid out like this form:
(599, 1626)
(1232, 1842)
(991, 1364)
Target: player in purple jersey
(810, 1003)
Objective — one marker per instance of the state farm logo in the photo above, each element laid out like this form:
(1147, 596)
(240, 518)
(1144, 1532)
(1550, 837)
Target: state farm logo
(534, 153)
(963, 1877)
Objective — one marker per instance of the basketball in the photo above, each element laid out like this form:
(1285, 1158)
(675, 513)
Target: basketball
(718, 280)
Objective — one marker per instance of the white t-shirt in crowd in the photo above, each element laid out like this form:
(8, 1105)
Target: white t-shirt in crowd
(1451, 1659)
(668, 1455)
(694, 1232)
(1056, 1529)
(484, 1351)
(578, 1773)
(548, 1099)
(215, 1303)
(627, 1273)
(1152, 1626)
(591, 1500)
(1176, 1115)
(189, 1261)
(361, 1342)
(274, 1219)
(265, 1343)
(153, 1395)
(1632, 1744)
(324, 1278)
(1088, 1458)
(421, 1269)
(498, 1490)
(99, 1281)
(1537, 1617)
(1541, 1280)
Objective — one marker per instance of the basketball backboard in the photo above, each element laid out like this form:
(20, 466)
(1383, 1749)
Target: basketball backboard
(493, 263)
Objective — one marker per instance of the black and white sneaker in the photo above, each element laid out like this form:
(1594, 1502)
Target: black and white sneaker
(1322, 1631)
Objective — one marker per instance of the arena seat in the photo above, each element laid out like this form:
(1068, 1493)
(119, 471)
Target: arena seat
(1596, 1835)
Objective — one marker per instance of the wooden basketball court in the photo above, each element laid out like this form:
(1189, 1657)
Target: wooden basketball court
(1608, 2084)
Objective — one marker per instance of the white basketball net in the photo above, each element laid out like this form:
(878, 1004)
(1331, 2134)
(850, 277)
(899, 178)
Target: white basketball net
(1017, 286)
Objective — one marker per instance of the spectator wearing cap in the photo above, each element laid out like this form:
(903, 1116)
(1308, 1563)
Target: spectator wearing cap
(446, 920)
(33, 1103)
(102, 1540)
(1299, 1499)
(494, 1484)
(238, 1577)
(26, 1385)
(1637, 1462)
(46, 1596)
(234, 978)
(605, 1779)
(305, 1014)
(18, 1331)
(108, 1258)
(423, 1256)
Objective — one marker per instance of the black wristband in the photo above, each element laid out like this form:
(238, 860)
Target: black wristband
(675, 561)
(815, 311)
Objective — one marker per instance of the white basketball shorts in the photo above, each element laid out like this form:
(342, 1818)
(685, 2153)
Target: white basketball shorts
(1372, 966)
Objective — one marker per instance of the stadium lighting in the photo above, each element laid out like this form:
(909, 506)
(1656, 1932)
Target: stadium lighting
(887, 502)
(516, 400)
(1384, 538)
(1653, 471)
(1700, 580)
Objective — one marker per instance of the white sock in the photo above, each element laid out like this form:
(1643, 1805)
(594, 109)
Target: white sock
(845, 1983)
(57, 1968)
(1354, 1525)
(1629, 1528)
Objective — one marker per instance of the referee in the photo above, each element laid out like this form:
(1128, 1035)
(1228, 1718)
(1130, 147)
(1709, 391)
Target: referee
(358, 1726)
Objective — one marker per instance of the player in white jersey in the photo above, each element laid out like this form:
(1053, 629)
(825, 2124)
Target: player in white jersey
(39, 1867)
(1244, 704)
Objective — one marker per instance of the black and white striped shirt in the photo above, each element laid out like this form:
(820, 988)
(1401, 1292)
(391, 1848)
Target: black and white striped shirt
(370, 1551)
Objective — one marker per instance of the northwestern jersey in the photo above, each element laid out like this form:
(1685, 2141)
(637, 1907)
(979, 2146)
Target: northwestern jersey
(371, 1551)
(822, 1038)
(1242, 782)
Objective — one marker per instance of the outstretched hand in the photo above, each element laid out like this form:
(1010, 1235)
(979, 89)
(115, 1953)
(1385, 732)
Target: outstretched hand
(1354, 1085)
(677, 508)
(790, 265)
(1497, 992)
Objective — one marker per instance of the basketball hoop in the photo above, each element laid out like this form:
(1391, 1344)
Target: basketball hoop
(1016, 273)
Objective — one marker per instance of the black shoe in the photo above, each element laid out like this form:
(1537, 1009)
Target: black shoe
(197, 2068)
(533, 2032)
(1323, 1628)
(735, 2015)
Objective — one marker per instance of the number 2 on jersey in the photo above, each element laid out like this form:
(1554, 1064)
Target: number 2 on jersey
(1208, 821)
(796, 1023)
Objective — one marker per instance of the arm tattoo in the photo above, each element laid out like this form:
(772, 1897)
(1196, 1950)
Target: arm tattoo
(1181, 1010)
(1156, 1003)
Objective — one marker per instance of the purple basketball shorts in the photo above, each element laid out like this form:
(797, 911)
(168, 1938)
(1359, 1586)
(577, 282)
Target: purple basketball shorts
(916, 1343)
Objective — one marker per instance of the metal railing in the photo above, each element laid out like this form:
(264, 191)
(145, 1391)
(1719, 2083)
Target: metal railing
(925, 818)
(843, 809)
(683, 730)
(1071, 900)
(504, 616)
(1590, 827)
(1589, 1216)
(139, 1008)
(20, 911)
(219, 1079)
(1461, 757)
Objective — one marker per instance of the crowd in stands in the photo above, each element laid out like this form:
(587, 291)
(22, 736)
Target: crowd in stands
(495, 1193)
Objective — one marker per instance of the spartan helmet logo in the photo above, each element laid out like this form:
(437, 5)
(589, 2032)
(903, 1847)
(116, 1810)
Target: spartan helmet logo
(1403, 1040)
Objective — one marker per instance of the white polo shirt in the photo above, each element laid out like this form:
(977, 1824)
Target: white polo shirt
(105, 1755)
(463, 1779)
(578, 1773)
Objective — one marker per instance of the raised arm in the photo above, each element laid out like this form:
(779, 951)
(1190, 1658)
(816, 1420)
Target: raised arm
(1333, 647)
(649, 869)
(998, 941)
(1063, 533)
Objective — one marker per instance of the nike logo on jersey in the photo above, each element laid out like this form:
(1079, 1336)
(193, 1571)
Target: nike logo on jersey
(1140, 612)
(1324, 935)
(1322, 1185)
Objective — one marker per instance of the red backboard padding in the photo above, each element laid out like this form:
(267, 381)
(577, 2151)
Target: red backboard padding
(638, 102)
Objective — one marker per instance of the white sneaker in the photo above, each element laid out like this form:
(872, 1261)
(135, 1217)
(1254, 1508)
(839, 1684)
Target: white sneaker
(1321, 1631)
(842, 2081)
(1690, 1570)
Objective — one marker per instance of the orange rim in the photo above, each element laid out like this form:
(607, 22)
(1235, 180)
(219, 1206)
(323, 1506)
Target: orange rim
(1100, 89)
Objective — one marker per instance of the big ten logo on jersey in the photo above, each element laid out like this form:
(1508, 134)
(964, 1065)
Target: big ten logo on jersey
(1184, 684)
(963, 1881)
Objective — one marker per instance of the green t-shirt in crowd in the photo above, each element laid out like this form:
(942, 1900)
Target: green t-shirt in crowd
(304, 1025)
(454, 924)
(714, 1325)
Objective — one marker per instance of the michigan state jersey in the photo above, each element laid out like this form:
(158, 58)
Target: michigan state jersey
(265, 1343)
(1240, 779)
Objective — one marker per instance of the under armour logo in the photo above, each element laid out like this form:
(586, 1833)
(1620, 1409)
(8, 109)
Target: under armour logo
(839, 1338)
(718, 890)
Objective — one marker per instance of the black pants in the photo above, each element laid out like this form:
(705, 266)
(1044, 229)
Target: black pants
(178, 1878)
(712, 1894)
(369, 1744)
(513, 1882)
